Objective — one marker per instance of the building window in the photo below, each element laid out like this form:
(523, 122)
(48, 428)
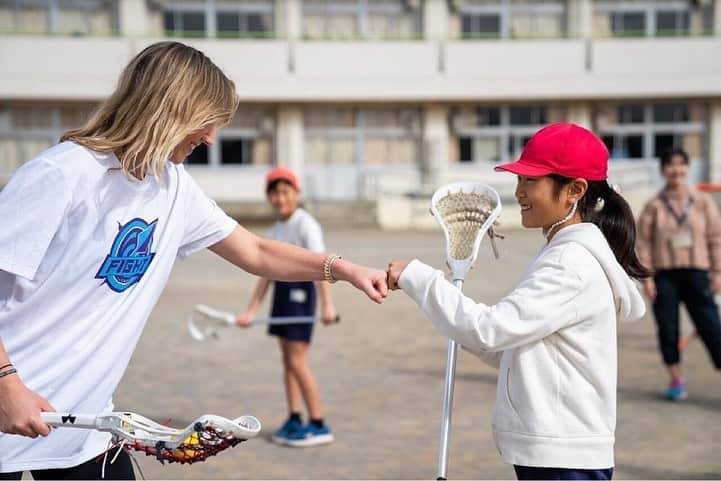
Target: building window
(382, 19)
(247, 140)
(28, 129)
(72, 17)
(638, 131)
(372, 137)
(497, 133)
(509, 19)
(221, 19)
(650, 18)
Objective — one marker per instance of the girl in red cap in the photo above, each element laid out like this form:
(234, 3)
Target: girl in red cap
(295, 226)
(553, 338)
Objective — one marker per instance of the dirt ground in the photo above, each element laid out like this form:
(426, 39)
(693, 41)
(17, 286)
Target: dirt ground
(381, 374)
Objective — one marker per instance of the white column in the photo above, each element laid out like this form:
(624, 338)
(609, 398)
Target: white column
(717, 17)
(714, 142)
(133, 17)
(580, 113)
(290, 138)
(289, 18)
(580, 18)
(436, 142)
(435, 19)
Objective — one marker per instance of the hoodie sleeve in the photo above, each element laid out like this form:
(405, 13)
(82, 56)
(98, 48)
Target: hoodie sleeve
(541, 305)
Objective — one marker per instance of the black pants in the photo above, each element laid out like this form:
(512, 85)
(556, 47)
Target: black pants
(527, 473)
(122, 468)
(693, 288)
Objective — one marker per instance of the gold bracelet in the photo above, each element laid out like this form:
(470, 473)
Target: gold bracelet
(328, 268)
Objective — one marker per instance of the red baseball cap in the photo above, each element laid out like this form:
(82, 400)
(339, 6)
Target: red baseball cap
(281, 173)
(565, 149)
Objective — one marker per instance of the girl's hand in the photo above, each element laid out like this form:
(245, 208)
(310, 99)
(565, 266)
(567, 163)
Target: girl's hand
(245, 319)
(395, 269)
(20, 409)
(649, 288)
(328, 315)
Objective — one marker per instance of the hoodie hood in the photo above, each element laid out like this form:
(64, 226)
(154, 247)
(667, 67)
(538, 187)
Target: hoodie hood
(630, 306)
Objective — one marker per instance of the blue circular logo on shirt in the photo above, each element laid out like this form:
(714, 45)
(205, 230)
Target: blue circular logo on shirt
(130, 255)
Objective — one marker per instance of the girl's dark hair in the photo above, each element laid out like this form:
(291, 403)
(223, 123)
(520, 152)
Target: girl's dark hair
(615, 220)
(274, 185)
(670, 154)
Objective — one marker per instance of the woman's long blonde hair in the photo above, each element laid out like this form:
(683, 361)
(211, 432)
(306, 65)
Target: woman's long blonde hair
(167, 92)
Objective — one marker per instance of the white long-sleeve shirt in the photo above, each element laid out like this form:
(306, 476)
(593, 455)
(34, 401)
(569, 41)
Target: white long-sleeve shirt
(553, 339)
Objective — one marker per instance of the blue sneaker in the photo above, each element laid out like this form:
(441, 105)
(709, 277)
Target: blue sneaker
(311, 435)
(676, 391)
(290, 426)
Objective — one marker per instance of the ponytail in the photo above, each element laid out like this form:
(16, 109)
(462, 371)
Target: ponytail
(605, 207)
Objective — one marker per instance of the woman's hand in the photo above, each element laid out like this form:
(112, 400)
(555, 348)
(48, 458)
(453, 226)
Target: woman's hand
(649, 288)
(20, 409)
(369, 280)
(395, 269)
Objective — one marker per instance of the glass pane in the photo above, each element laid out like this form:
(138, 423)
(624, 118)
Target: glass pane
(258, 22)
(403, 151)
(610, 145)
(489, 116)
(342, 152)
(633, 146)
(342, 26)
(227, 22)
(527, 115)
(377, 151)
(75, 116)
(381, 118)
(262, 152)
(670, 113)
(31, 117)
(694, 145)
(482, 25)
(465, 146)
(672, 22)
(199, 156)
(663, 143)
(316, 150)
(193, 23)
(314, 26)
(33, 19)
(487, 149)
(234, 151)
(169, 21)
(628, 23)
(630, 114)
(344, 118)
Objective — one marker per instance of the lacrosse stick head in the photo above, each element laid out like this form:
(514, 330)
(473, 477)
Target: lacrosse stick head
(205, 437)
(204, 322)
(465, 212)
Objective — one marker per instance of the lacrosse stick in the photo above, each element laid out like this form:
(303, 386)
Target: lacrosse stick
(466, 212)
(205, 322)
(206, 436)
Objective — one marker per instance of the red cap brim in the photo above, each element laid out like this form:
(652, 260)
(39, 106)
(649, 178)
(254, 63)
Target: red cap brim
(520, 168)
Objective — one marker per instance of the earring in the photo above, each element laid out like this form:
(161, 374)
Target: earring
(600, 204)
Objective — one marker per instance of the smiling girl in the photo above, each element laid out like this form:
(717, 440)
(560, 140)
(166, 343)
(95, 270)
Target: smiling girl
(553, 338)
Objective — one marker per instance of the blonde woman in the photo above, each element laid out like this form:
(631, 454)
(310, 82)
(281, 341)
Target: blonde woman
(91, 230)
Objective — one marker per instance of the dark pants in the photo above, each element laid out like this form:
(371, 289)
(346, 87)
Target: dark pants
(526, 472)
(122, 468)
(693, 288)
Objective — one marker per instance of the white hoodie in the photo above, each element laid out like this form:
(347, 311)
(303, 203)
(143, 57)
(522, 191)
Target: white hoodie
(553, 339)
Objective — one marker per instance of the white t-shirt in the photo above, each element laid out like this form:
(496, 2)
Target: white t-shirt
(85, 253)
(300, 229)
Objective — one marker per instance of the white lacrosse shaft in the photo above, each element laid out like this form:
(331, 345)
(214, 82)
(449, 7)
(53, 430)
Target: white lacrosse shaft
(466, 212)
(448, 401)
(67, 420)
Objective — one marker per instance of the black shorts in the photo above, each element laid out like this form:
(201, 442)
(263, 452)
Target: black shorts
(293, 299)
(122, 468)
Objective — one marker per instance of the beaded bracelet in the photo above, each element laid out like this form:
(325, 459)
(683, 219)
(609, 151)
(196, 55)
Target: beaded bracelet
(8, 372)
(328, 268)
